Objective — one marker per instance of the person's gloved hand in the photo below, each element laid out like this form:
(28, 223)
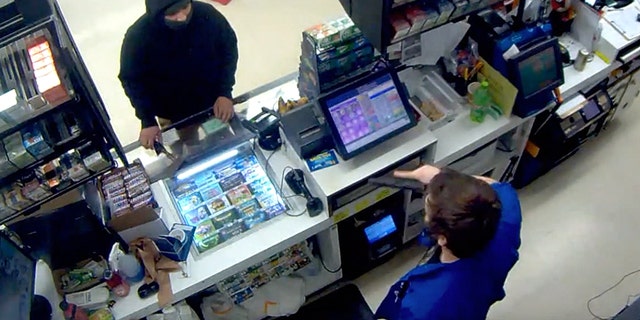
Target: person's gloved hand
(223, 109)
(150, 135)
(423, 174)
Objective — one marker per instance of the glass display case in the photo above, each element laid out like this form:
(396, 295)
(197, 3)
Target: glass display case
(223, 190)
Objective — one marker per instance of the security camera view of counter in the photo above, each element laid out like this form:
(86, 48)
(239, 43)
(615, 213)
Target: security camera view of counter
(156, 164)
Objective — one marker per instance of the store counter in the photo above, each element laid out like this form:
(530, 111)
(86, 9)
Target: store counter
(441, 146)
(207, 269)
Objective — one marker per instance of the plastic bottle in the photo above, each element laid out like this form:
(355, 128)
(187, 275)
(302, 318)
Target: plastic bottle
(126, 265)
(71, 311)
(116, 284)
(481, 97)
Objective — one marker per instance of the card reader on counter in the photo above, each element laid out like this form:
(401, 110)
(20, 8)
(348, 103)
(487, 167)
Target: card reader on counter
(306, 131)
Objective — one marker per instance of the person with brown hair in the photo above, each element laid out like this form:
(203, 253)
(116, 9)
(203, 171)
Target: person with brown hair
(475, 223)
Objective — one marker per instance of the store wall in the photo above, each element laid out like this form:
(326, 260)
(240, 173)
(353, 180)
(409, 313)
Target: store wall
(269, 35)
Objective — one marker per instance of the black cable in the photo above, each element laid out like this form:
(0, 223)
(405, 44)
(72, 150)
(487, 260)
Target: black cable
(605, 292)
(327, 269)
(296, 215)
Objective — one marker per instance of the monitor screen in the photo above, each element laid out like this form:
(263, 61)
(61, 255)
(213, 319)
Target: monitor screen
(17, 273)
(380, 229)
(538, 71)
(367, 112)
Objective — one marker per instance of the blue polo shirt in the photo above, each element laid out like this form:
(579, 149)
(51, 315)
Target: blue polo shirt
(464, 289)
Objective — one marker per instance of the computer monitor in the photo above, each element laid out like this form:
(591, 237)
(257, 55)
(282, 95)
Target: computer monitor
(537, 69)
(367, 112)
(17, 274)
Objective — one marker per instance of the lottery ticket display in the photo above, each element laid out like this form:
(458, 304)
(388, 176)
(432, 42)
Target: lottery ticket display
(226, 199)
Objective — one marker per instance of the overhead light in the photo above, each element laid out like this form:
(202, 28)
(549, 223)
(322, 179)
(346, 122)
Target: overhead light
(207, 164)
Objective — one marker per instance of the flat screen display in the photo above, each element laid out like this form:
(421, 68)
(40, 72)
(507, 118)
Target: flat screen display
(367, 113)
(538, 71)
(380, 229)
(17, 273)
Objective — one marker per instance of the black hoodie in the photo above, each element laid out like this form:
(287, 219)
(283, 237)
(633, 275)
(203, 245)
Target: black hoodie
(174, 74)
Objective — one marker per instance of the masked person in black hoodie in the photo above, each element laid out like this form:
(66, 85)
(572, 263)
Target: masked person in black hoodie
(178, 59)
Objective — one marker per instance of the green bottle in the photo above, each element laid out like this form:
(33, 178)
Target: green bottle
(481, 97)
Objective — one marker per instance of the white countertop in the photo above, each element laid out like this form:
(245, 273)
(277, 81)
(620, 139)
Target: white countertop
(338, 177)
(461, 136)
(593, 72)
(229, 258)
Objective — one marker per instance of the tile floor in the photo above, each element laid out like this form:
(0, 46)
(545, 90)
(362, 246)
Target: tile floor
(580, 221)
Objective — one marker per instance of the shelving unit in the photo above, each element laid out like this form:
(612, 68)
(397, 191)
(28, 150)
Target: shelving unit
(374, 18)
(47, 96)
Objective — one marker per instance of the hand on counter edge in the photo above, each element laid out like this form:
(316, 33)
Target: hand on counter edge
(223, 109)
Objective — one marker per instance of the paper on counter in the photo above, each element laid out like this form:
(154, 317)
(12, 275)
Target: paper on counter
(625, 21)
(502, 92)
(437, 43)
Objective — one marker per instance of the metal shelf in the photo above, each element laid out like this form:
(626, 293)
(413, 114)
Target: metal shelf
(59, 149)
(34, 206)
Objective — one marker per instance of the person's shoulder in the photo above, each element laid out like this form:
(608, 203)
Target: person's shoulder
(511, 211)
(138, 29)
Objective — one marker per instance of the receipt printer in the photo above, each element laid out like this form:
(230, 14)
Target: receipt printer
(306, 130)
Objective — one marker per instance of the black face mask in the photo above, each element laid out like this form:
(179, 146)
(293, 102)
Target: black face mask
(179, 25)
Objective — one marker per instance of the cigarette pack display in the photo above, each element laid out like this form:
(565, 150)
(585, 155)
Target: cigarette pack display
(6, 167)
(35, 141)
(5, 211)
(15, 199)
(16, 151)
(96, 162)
(462, 8)
(33, 188)
(445, 8)
(431, 18)
(400, 26)
(417, 17)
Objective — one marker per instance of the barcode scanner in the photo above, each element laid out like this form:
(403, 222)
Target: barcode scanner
(295, 181)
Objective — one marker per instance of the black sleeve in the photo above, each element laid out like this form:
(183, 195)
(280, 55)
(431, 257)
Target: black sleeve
(132, 78)
(227, 45)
